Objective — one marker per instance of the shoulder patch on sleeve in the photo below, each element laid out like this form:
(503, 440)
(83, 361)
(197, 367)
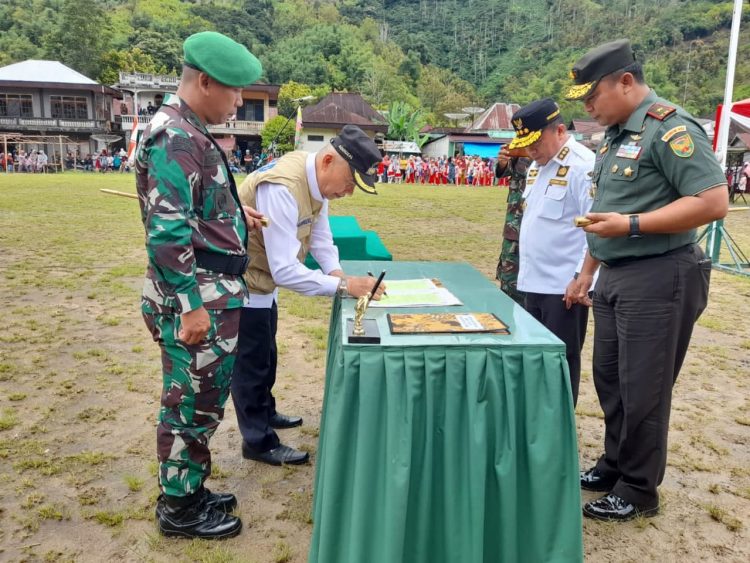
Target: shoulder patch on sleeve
(660, 111)
(683, 146)
(672, 132)
(181, 144)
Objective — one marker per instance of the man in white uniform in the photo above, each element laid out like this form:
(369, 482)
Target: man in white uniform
(293, 192)
(551, 248)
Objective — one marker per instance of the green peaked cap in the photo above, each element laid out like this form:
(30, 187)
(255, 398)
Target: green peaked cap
(222, 58)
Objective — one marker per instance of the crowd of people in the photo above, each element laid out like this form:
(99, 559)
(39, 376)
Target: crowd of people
(21, 161)
(445, 170)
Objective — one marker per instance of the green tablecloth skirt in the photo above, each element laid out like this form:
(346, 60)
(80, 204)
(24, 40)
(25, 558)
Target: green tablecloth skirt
(446, 454)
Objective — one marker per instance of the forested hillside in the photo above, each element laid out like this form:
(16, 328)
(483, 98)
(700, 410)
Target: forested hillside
(440, 55)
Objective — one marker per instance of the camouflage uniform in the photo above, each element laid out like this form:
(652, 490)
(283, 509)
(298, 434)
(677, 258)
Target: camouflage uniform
(507, 266)
(188, 204)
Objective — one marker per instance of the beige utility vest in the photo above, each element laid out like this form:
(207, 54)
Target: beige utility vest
(290, 171)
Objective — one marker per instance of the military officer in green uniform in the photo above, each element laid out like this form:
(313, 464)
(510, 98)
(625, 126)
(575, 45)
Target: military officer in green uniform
(196, 242)
(514, 167)
(655, 181)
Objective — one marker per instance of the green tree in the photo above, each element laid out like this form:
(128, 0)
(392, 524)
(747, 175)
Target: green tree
(81, 36)
(405, 122)
(133, 60)
(282, 127)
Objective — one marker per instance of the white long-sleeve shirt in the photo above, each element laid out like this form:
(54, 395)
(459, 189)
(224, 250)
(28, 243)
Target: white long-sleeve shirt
(551, 248)
(280, 237)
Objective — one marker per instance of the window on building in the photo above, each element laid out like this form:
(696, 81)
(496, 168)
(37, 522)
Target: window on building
(251, 110)
(16, 105)
(315, 138)
(68, 107)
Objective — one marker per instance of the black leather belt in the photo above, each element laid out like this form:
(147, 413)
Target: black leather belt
(629, 259)
(231, 264)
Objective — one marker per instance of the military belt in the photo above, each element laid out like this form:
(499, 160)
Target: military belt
(629, 259)
(231, 264)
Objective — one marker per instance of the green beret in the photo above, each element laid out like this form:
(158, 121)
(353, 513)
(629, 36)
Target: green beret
(222, 58)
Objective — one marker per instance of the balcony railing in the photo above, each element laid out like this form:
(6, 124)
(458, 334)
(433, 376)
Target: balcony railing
(238, 128)
(47, 124)
(144, 80)
(228, 128)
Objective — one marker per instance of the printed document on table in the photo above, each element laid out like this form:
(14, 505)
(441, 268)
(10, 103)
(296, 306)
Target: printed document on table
(415, 293)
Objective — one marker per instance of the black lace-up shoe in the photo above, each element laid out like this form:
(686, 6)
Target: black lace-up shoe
(277, 456)
(594, 480)
(195, 518)
(612, 507)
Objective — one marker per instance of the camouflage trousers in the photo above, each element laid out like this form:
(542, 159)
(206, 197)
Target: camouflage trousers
(195, 386)
(507, 271)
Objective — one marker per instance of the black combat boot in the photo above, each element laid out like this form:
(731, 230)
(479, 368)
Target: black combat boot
(226, 502)
(194, 517)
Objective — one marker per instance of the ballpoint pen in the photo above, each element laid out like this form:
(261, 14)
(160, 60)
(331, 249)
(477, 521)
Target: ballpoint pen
(377, 283)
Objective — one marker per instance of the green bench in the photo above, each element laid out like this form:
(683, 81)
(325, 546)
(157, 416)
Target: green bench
(353, 242)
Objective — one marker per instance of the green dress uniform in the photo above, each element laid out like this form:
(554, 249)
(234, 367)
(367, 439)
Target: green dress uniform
(651, 289)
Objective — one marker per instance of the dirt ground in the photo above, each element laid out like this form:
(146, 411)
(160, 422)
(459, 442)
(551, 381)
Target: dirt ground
(79, 389)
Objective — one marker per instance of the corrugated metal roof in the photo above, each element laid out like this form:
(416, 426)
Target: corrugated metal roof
(43, 71)
(343, 108)
(496, 117)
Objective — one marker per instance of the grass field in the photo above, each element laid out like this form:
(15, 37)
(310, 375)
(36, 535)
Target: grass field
(79, 388)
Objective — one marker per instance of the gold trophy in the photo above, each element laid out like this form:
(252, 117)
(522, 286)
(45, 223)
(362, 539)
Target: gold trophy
(361, 330)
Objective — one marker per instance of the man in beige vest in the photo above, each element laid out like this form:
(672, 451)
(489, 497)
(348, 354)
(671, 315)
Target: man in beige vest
(293, 192)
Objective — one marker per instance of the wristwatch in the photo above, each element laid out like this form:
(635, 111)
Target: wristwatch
(343, 289)
(635, 228)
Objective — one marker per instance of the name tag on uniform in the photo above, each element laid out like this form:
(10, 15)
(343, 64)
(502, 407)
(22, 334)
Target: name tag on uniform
(631, 152)
(304, 222)
(558, 182)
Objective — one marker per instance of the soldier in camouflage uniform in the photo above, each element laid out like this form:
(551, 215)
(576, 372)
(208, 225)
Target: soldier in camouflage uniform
(196, 241)
(507, 267)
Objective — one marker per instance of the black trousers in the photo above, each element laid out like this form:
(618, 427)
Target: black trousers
(254, 375)
(569, 325)
(644, 312)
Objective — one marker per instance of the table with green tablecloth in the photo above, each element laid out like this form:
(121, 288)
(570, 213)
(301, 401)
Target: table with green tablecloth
(446, 448)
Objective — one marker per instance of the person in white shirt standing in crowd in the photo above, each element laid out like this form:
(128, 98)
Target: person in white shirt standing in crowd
(551, 248)
(293, 192)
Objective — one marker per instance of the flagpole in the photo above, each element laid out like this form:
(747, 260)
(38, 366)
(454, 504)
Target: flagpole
(713, 241)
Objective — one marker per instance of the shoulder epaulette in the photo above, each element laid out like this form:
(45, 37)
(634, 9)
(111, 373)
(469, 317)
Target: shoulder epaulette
(660, 111)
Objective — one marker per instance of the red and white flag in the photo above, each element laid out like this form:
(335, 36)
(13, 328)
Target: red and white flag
(298, 129)
(133, 139)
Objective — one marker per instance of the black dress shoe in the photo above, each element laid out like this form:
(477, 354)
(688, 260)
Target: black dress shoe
(612, 507)
(196, 520)
(278, 456)
(281, 421)
(594, 480)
